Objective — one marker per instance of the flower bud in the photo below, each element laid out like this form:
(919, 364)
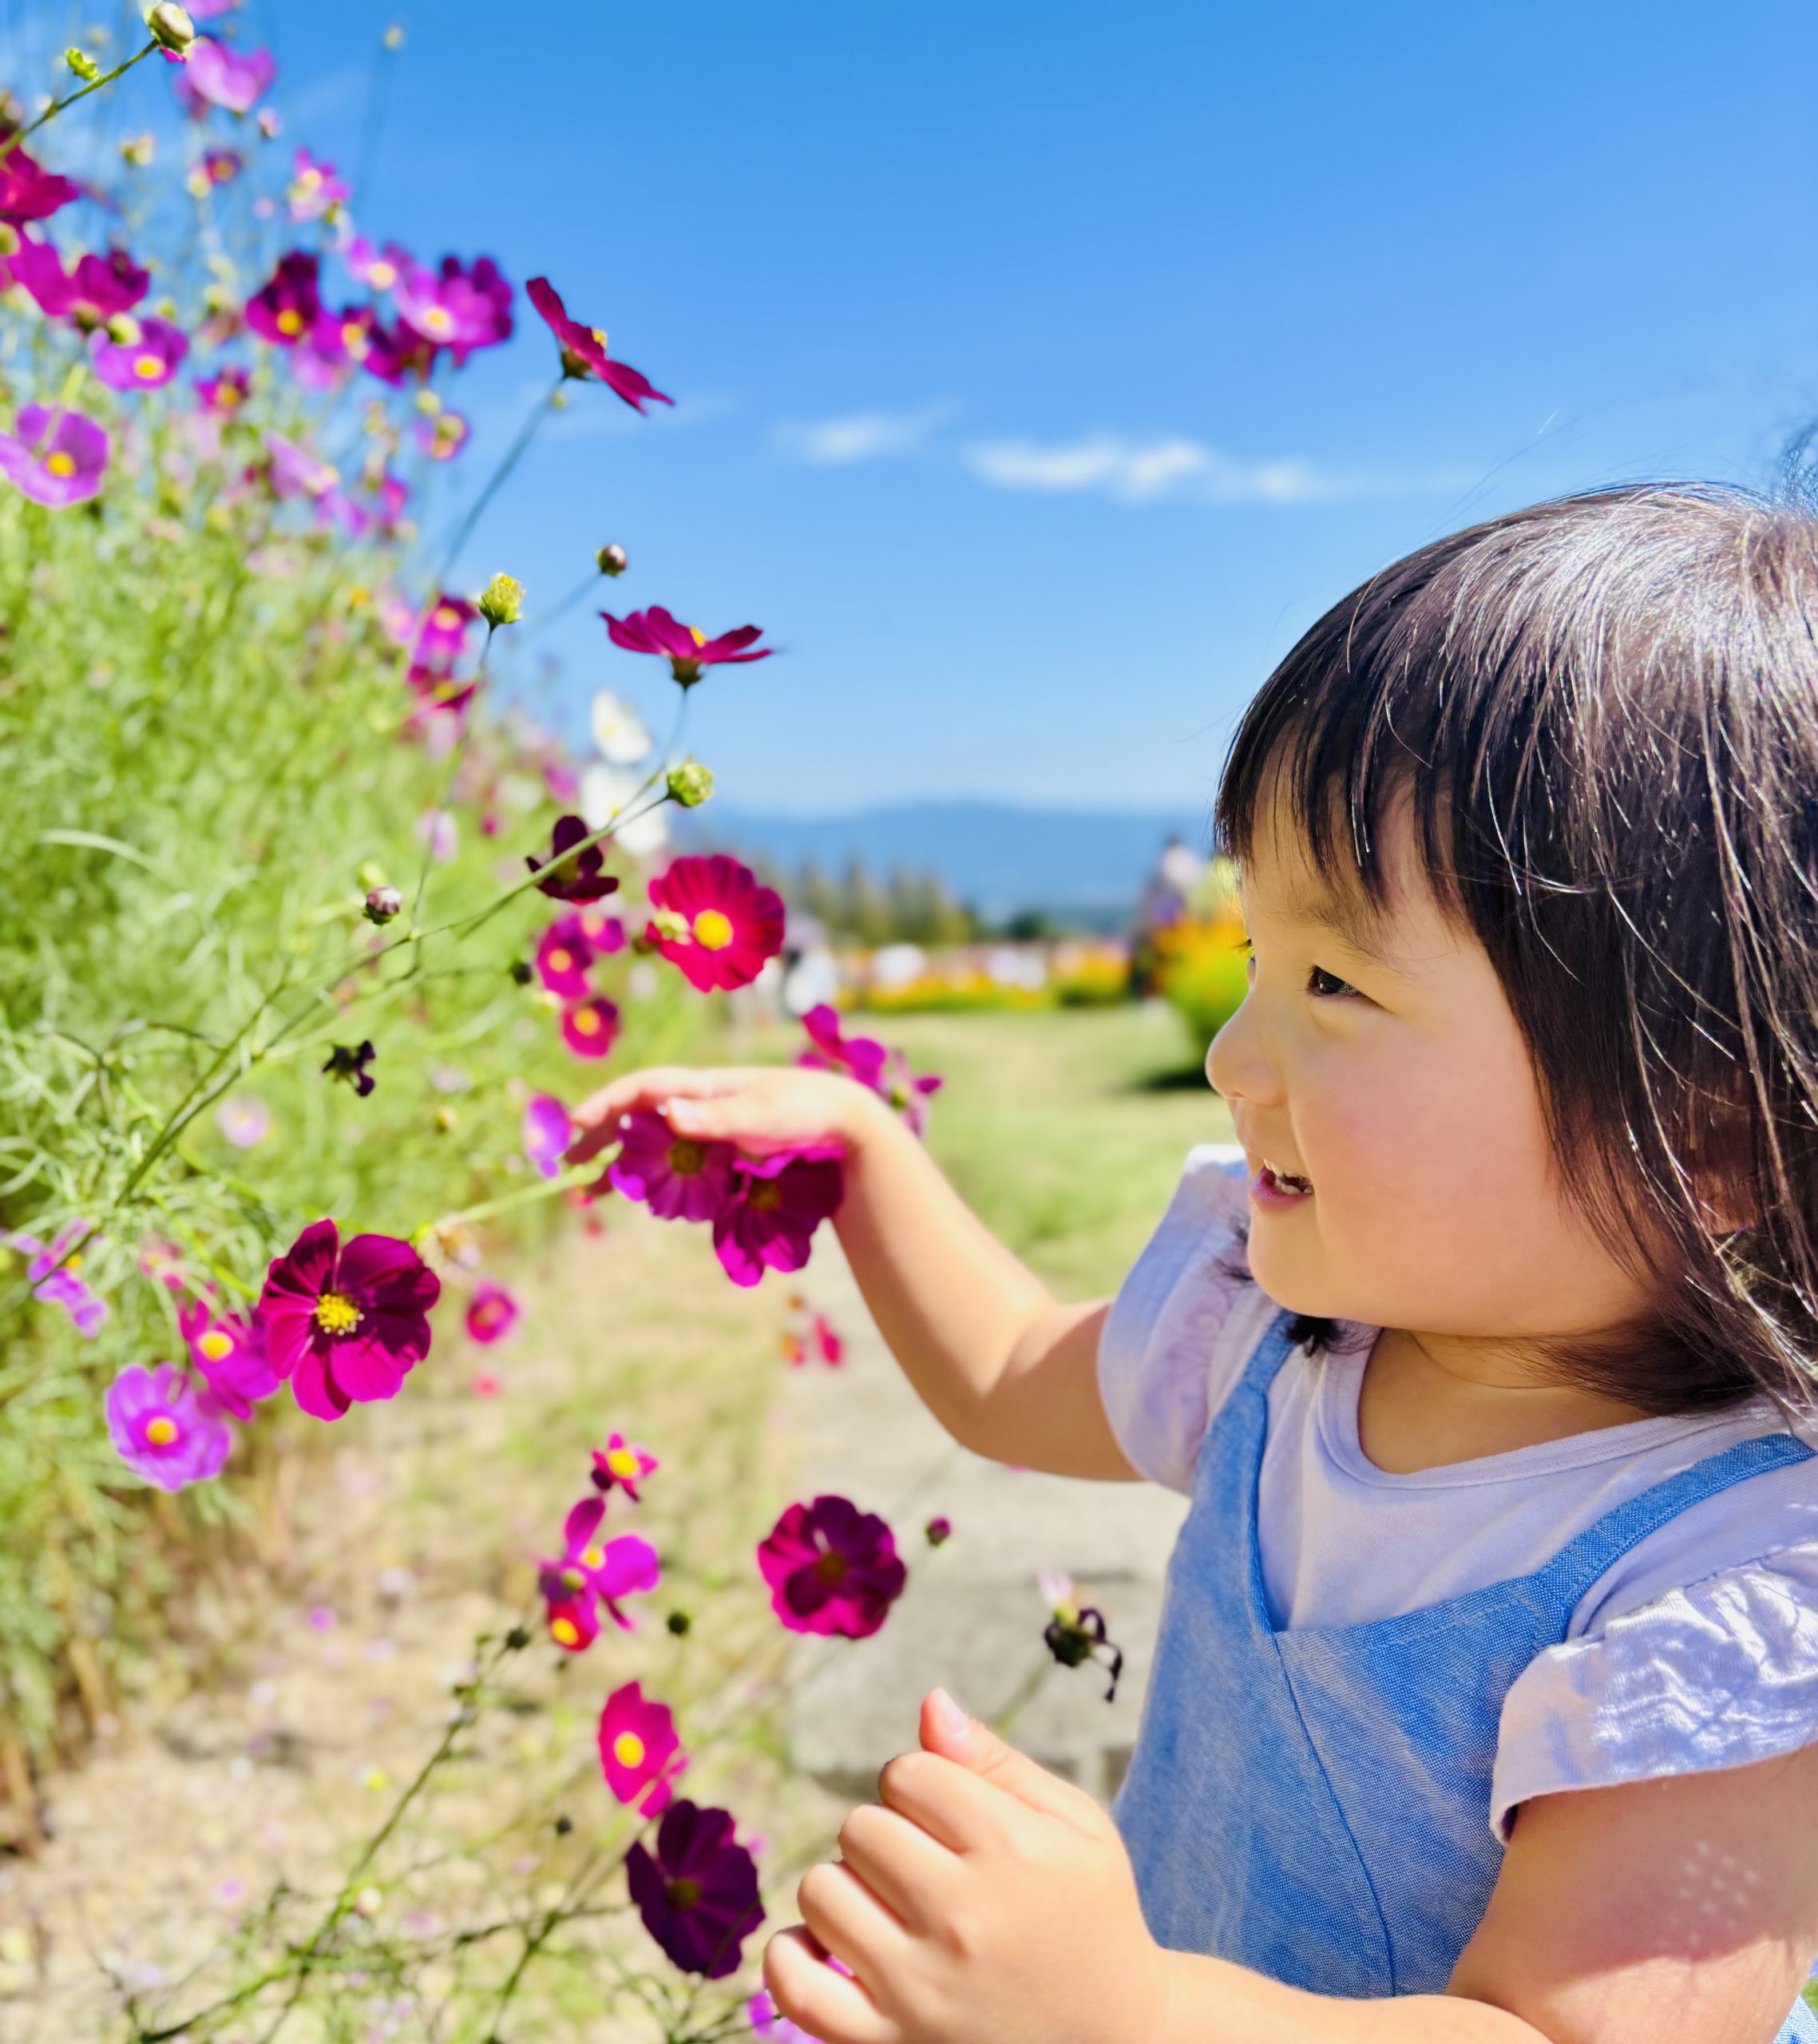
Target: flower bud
(270, 126)
(138, 149)
(124, 329)
(612, 561)
(9, 239)
(170, 27)
(81, 64)
(940, 1531)
(690, 783)
(680, 1624)
(520, 970)
(502, 601)
(428, 403)
(382, 904)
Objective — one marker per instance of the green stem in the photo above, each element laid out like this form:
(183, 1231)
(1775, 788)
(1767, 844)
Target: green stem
(580, 590)
(57, 106)
(464, 530)
(587, 1174)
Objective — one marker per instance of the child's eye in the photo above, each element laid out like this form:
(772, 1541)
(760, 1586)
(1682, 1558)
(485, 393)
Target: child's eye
(1328, 986)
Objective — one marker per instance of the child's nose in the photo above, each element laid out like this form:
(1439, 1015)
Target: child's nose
(1238, 1065)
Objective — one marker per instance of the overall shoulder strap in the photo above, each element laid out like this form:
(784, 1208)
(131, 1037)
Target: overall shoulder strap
(1270, 1352)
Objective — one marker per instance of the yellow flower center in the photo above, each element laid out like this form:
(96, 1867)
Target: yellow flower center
(307, 181)
(697, 635)
(766, 1195)
(436, 320)
(336, 1313)
(215, 1344)
(564, 1632)
(562, 960)
(712, 929)
(628, 1750)
(445, 618)
(622, 1462)
(353, 333)
(586, 1022)
(594, 1557)
(686, 1157)
(148, 366)
(599, 334)
(162, 1431)
(289, 321)
(382, 276)
(61, 463)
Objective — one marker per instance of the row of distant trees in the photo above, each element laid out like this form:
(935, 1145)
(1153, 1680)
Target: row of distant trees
(903, 907)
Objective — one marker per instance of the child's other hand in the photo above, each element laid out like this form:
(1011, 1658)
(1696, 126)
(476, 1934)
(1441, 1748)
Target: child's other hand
(985, 1902)
(761, 1108)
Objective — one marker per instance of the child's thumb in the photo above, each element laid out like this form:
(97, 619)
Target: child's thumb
(948, 1731)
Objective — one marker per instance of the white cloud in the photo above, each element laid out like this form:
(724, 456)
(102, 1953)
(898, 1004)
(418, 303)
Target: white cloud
(861, 436)
(1144, 472)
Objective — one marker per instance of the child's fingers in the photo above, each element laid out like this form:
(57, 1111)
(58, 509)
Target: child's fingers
(599, 1115)
(907, 1868)
(948, 1731)
(831, 2007)
(850, 1922)
(951, 1805)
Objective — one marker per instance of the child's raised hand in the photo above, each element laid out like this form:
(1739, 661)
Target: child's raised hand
(985, 1902)
(759, 1108)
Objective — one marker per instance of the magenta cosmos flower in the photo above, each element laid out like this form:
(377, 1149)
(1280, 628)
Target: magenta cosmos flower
(590, 1028)
(592, 1573)
(676, 1176)
(885, 1073)
(51, 1271)
(768, 2022)
(216, 75)
(547, 1132)
(491, 1313)
(56, 461)
(223, 395)
(640, 1754)
(146, 364)
(715, 920)
(564, 956)
(832, 1569)
(379, 269)
(159, 1430)
(687, 649)
(293, 471)
(441, 638)
(230, 1353)
(458, 307)
(315, 192)
(698, 1892)
(345, 1324)
(94, 290)
(620, 1466)
(584, 351)
(777, 1203)
(29, 191)
(285, 307)
(581, 877)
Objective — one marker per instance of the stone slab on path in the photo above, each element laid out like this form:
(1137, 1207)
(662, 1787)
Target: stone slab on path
(971, 1618)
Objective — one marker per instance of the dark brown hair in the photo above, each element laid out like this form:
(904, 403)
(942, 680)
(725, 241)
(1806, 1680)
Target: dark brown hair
(1602, 714)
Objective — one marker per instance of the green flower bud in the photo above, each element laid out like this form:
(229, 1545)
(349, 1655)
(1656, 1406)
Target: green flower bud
(82, 64)
(690, 783)
(502, 601)
(612, 561)
(124, 329)
(171, 28)
(138, 149)
(9, 238)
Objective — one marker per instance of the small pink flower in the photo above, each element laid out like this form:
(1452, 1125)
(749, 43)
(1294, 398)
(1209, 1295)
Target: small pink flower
(56, 461)
(547, 1132)
(315, 192)
(51, 1269)
(832, 1569)
(224, 394)
(687, 648)
(229, 1352)
(160, 1431)
(584, 351)
(245, 1120)
(457, 308)
(379, 269)
(620, 1465)
(639, 1753)
(591, 1027)
(146, 364)
(214, 75)
(492, 1314)
(591, 1572)
(715, 921)
(564, 957)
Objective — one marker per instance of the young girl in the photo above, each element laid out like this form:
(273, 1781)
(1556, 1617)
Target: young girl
(1485, 1707)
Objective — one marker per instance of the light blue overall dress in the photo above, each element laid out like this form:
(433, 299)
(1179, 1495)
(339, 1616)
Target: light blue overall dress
(1315, 1804)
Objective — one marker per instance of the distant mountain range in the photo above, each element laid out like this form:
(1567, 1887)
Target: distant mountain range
(1082, 865)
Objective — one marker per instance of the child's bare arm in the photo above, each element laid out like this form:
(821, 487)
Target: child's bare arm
(1006, 1368)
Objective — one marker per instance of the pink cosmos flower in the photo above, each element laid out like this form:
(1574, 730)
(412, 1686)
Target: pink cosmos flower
(777, 1203)
(56, 460)
(768, 2022)
(315, 190)
(146, 364)
(334, 342)
(222, 166)
(698, 1892)
(215, 74)
(29, 191)
(441, 638)
(379, 269)
(396, 352)
(618, 1463)
(715, 921)
(230, 1353)
(547, 1133)
(572, 876)
(93, 291)
(160, 1431)
(491, 1313)
(224, 394)
(285, 307)
(52, 1272)
(685, 647)
(591, 1027)
(584, 351)
(832, 1569)
(456, 307)
(162, 1262)
(345, 1324)
(293, 471)
(885, 1073)
(564, 958)
(677, 1178)
(591, 1572)
(606, 933)
(640, 1754)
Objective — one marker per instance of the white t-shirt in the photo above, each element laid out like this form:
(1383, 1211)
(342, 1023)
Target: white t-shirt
(1699, 1648)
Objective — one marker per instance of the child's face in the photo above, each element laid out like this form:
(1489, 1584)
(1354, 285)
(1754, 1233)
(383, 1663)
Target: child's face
(1382, 1066)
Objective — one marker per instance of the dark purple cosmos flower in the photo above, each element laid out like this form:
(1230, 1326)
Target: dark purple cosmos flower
(230, 1354)
(547, 1133)
(285, 307)
(457, 307)
(584, 351)
(619, 1465)
(715, 920)
(1075, 1633)
(56, 460)
(885, 1073)
(676, 1176)
(777, 1204)
(146, 364)
(564, 957)
(491, 1313)
(591, 1027)
(93, 291)
(315, 192)
(51, 1271)
(832, 1569)
(216, 75)
(687, 648)
(698, 1893)
(640, 1754)
(348, 1062)
(224, 394)
(379, 269)
(580, 878)
(29, 191)
(160, 1429)
(345, 1324)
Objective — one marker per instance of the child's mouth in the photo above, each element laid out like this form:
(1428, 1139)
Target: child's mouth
(1272, 1187)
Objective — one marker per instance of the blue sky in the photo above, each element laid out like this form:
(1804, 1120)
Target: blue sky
(1044, 370)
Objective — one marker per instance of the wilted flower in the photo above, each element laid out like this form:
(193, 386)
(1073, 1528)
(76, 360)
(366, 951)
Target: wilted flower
(159, 1430)
(832, 1569)
(502, 601)
(584, 351)
(348, 1062)
(568, 876)
(225, 394)
(612, 561)
(345, 1324)
(677, 1178)
(715, 921)
(94, 290)
(51, 1271)
(620, 1465)
(230, 1353)
(687, 648)
(491, 1313)
(217, 75)
(619, 732)
(56, 460)
(382, 904)
(640, 1754)
(777, 1203)
(590, 1028)
(315, 192)
(547, 1132)
(28, 192)
(457, 307)
(698, 1892)
(146, 364)
(285, 307)
(171, 27)
(689, 784)
(1076, 1632)
(379, 269)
